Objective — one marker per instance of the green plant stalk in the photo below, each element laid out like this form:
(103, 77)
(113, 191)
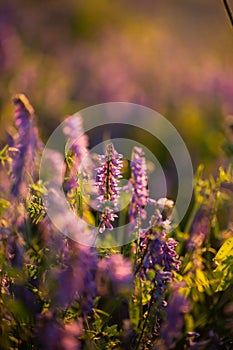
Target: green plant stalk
(146, 319)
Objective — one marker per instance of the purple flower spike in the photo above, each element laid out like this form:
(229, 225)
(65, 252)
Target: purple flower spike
(160, 251)
(78, 141)
(139, 183)
(26, 143)
(114, 275)
(76, 279)
(78, 145)
(199, 229)
(159, 255)
(106, 218)
(107, 179)
(171, 329)
(54, 335)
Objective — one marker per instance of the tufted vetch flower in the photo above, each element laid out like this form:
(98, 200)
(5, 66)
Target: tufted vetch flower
(139, 182)
(107, 179)
(77, 149)
(24, 153)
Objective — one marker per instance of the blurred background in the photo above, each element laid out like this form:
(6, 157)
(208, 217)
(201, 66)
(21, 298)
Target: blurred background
(175, 57)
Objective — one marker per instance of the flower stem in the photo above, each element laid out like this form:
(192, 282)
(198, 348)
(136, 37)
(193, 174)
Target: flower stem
(146, 319)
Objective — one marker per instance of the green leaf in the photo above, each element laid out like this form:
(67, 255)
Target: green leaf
(19, 310)
(224, 252)
(201, 281)
(134, 308)
(4, 155)
(151, 274)
(224, 270)
(4, 204)
(112, 330)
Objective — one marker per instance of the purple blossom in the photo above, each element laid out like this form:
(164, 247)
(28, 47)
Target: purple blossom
(53, 171)
(15, 250)
(52, 334)
(106, 219)
(158, 254)
(54, 200)
(107, 179)
(139, 183)
(5, 283)
(114, 275)
(78, 145)
(108, 175)
(26, 144)
(72, 331)
(171, 329)
(199, 229)
(76, 280)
